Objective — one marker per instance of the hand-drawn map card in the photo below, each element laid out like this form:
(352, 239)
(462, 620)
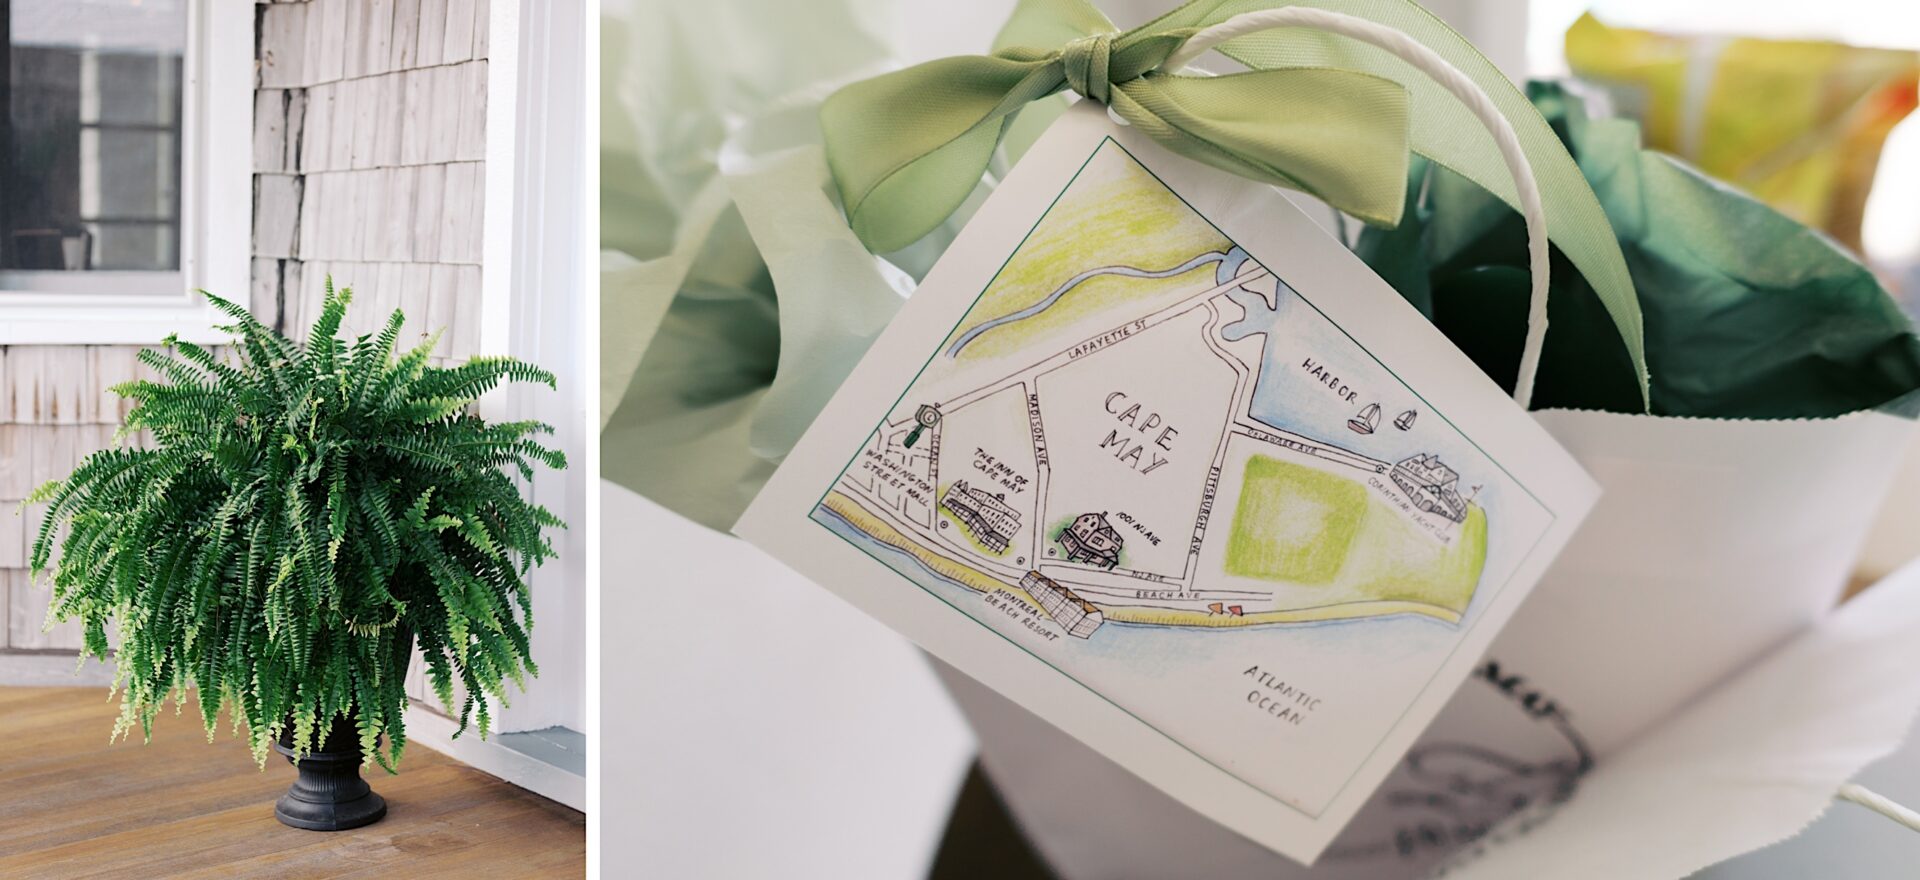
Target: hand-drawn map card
(1157, 458)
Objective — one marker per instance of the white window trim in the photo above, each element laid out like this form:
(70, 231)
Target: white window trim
(216, 209)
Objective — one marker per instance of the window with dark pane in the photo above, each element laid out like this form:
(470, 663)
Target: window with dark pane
(90, 130)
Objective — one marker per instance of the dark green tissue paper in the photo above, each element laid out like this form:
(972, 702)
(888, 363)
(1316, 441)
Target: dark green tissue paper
(1748, 314)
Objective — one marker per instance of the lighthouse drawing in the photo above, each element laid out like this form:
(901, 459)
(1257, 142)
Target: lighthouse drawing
(925, 417)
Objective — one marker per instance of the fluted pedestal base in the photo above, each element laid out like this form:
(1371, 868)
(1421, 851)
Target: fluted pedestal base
(329, 794)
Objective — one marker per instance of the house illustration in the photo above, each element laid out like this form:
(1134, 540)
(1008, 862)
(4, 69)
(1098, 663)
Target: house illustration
(1432, 486)
(1063, 605)
(986, 517)
(1090, 538)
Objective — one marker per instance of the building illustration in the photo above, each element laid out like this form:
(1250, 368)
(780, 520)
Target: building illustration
(986, 517)
(1063, 605)
(1090, 538)
(1433, 487)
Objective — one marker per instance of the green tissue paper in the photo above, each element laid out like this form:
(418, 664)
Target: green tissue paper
(1748, 313)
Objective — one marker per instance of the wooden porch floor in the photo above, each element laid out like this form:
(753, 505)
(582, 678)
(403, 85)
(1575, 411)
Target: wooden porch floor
(72, 806)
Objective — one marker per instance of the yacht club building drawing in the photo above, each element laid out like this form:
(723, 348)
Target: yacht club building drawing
(1432, 486)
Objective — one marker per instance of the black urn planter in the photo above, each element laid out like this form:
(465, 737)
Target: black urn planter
(329, 794)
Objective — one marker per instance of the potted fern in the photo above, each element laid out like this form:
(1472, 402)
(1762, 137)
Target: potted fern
(304, 516)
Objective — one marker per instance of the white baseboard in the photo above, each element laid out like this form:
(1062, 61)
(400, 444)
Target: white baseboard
(435, 731)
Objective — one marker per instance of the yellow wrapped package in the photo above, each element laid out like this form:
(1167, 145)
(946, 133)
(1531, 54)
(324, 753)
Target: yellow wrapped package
(1798, 124)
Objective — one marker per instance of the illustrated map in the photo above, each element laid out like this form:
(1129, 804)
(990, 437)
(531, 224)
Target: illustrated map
(1126, 474)
(1144, 457)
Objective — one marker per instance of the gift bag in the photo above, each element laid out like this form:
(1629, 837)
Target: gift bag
(1783, 389)
(1772, 352)
(1746, 765)
(1717, 541)
(1783, 385)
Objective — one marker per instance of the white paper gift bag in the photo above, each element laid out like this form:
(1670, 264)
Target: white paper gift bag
(1716, 542)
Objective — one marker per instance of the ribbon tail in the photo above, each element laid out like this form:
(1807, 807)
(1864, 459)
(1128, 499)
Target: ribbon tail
(1445, 131)
(907, 147)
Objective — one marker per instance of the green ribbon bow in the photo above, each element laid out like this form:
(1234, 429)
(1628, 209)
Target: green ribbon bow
(1318, 113)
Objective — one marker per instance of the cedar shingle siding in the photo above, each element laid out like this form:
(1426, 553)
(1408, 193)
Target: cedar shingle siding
(369, 131)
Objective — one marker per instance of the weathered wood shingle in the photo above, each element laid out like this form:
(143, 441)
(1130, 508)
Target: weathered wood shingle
(457, 44)
(276, 214)
(368, 143)
(283, 45)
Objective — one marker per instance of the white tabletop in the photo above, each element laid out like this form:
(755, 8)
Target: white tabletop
(753, 724)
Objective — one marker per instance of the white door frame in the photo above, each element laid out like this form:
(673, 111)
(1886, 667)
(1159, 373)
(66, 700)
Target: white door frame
(535, 306)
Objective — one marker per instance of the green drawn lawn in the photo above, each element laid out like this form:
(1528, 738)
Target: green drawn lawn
(1114, 213)
(1307, 527)
(1293, 523)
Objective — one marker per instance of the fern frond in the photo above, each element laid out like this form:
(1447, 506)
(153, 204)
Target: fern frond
(305, 518)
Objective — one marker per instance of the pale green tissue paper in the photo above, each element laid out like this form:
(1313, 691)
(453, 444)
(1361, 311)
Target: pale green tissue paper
(734, 298)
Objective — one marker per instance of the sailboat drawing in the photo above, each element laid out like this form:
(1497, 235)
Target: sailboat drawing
(1367, 420)
(1405, 421)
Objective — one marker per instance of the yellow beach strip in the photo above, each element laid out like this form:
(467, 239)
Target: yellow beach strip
(880, 530)
(1343, 611)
